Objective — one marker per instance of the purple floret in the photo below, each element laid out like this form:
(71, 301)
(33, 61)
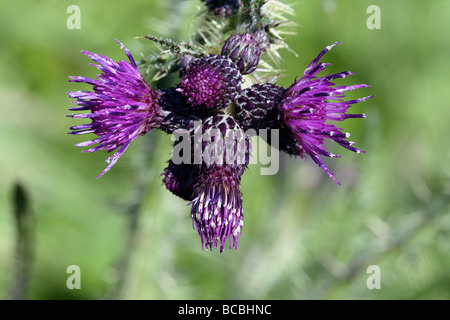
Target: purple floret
(211, 82)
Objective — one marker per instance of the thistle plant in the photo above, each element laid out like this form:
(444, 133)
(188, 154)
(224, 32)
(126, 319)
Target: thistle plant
(227, 86)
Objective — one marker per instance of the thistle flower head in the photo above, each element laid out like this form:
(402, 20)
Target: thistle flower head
(122, 106)
(217, 211)
(307, 106)
(243, 50)
(212, 82)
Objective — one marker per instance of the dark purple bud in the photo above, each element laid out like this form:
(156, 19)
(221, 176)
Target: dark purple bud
(181, 178)
(176, 112)
(223, 8)
(243, 50)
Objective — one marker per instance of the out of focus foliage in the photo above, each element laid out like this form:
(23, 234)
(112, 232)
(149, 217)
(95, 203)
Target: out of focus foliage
(304, 236)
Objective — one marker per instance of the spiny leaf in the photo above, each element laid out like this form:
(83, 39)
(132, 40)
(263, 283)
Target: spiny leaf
(174, 47)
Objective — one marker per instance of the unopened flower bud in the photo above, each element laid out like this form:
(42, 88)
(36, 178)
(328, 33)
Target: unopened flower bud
(243, 50)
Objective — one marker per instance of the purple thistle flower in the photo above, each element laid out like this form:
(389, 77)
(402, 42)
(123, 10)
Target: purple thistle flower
(211, 82)
(217, 211)
(301, 112)
(122, 106)
(309, 103)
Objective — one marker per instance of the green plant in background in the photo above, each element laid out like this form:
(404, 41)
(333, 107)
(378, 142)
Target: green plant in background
(309, 238)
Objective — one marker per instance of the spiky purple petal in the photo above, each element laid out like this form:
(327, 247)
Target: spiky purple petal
(122, 106)
(309, 103)
(217, 212)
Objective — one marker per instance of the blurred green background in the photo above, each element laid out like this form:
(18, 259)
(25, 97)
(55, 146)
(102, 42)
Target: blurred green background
(304, 236)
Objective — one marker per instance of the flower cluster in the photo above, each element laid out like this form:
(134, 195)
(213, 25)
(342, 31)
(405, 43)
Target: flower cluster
(214, 100)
